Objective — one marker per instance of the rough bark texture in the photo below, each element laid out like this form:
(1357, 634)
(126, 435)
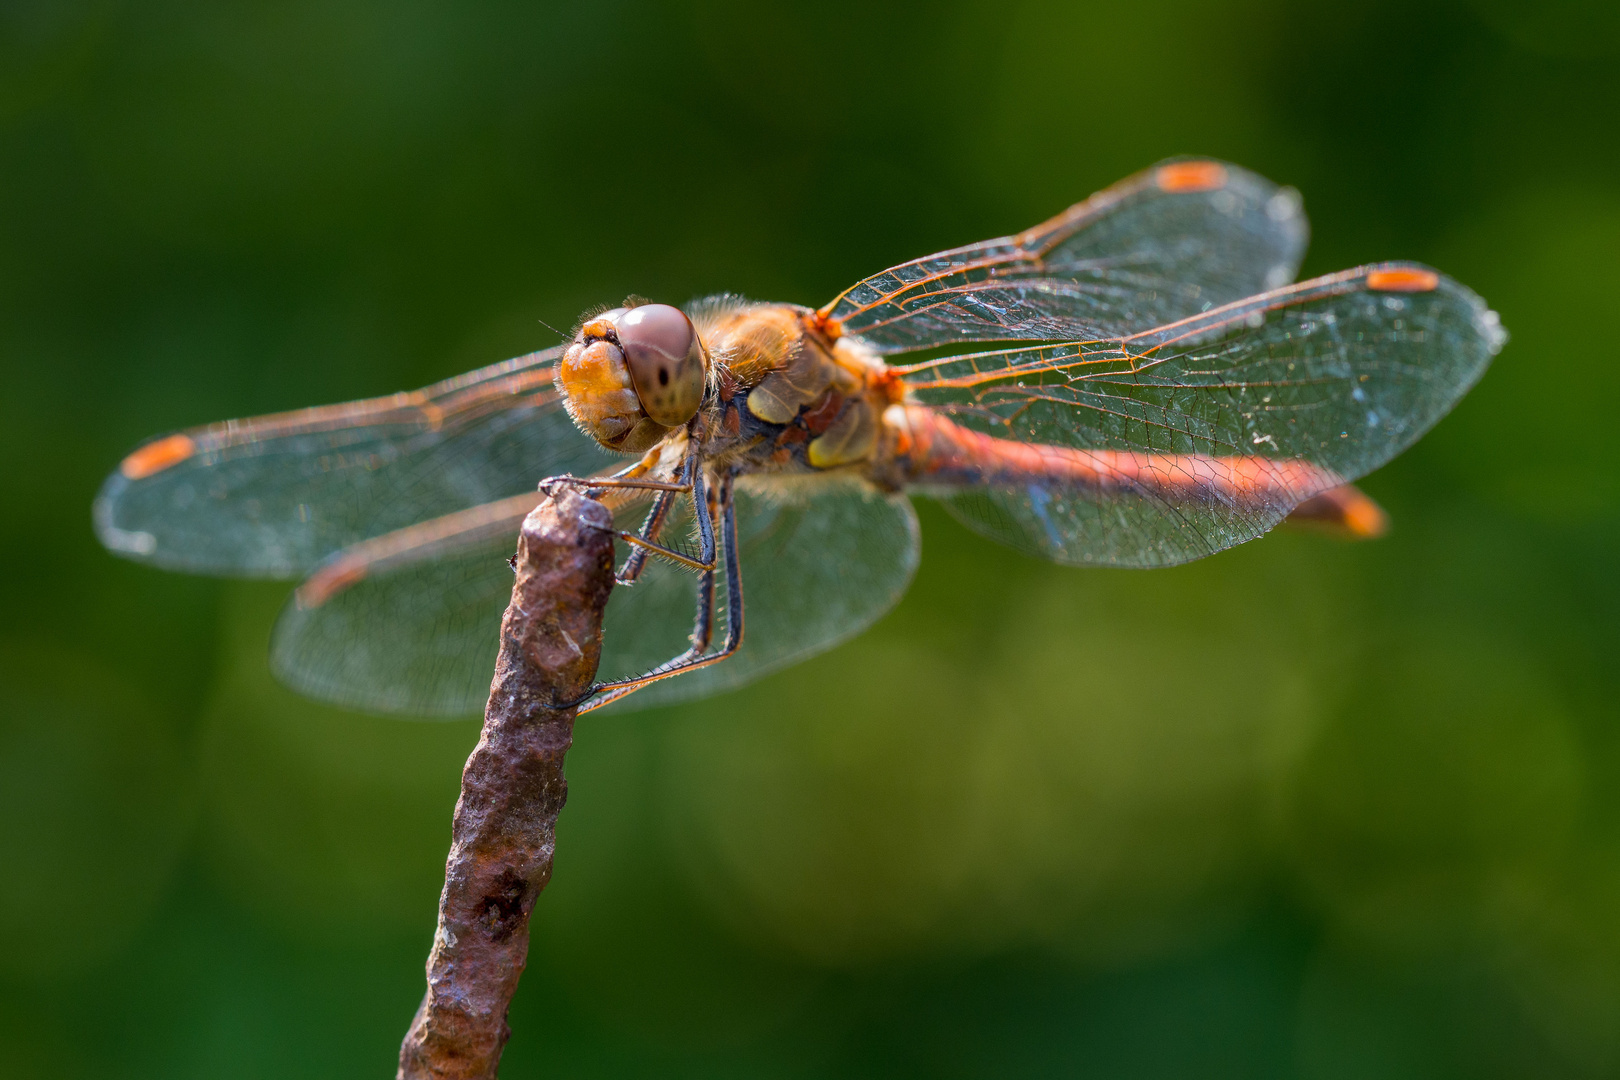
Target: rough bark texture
(512, 790)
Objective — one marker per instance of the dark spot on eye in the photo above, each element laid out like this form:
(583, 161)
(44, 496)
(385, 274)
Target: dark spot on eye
(663, 376)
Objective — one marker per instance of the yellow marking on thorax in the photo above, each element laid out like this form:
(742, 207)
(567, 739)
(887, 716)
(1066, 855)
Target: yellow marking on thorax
(851, 438)
(782, 366)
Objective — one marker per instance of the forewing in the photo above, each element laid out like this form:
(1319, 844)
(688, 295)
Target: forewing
(1199, 435)
(273, 496)
(1173, 241)
(409, 623)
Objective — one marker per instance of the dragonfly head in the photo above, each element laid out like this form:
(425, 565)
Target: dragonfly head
(633, 373)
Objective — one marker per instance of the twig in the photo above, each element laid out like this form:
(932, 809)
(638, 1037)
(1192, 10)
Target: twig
(512, 790)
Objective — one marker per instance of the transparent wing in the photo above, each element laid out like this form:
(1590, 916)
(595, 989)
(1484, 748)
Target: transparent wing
(1168, 445)
(820, 563)
(273, 496)
(1175, 240)
(409, 622)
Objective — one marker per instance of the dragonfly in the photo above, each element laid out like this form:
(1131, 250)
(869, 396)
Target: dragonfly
(1136, 382)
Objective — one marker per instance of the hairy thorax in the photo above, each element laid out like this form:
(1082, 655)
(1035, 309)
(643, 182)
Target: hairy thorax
(786, 397)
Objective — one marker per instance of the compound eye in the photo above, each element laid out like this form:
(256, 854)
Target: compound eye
(665, 358)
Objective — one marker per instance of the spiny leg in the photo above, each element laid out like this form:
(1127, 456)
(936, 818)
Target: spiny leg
(606, 482)
(705, 562)
(643, 545)
(650, 528)
(629, 477)
(703, 624)
(643, 465)
(644, 541)
(654, 524)
(693, 659)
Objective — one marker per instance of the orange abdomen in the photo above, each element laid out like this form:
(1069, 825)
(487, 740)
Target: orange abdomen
(931, 449)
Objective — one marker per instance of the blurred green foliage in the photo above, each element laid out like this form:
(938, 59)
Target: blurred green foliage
(1301, 810)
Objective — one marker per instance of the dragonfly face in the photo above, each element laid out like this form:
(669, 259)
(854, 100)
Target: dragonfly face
(632, 374)
(1131, 383)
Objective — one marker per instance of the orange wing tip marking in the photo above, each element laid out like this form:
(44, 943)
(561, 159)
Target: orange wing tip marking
(1403, 279)
(156, 456)
(328, 581)
(1186, 176)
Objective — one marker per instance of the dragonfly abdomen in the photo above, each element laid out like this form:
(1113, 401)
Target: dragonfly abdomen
(931, 450)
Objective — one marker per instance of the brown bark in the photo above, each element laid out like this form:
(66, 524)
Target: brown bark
(512, 790)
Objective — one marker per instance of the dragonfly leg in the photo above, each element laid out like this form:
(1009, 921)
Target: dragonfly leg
(694, 658)
(643, 545)
(703, 624)
(603, 483)
(704, 515)
(640, 467)
(631, 475)
(650, 528)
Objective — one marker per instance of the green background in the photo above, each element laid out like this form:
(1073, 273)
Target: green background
(1305, 809)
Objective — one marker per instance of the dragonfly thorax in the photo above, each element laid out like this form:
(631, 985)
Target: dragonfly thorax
(632, 374)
